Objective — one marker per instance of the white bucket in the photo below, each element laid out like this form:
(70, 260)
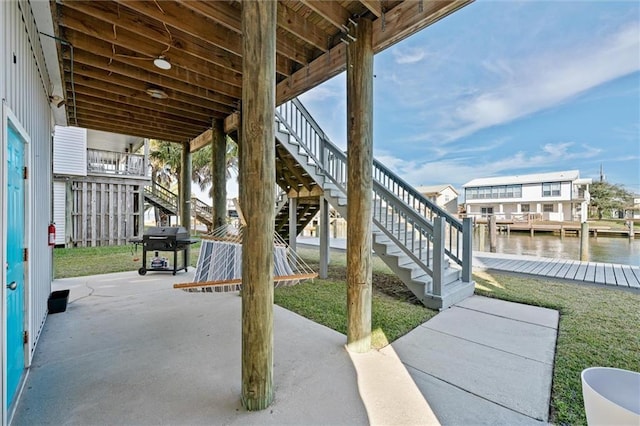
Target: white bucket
(611, 396)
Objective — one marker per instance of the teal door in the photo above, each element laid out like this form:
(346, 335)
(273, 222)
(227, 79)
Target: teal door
(15, 262)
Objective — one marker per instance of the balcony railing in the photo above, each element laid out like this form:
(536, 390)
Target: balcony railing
(112, 163)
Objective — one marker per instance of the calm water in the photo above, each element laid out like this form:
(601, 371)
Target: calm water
(610, 250)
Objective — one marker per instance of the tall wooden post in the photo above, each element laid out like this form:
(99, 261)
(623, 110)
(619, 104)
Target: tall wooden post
(257, 190)
(584, 241)
(218, 173)
(493, 234)
(359, 185)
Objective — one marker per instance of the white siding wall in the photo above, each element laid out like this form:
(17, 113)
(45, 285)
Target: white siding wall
(59, 210)
(24, 83)
(70, 151)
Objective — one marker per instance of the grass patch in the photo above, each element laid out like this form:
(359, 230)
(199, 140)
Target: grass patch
(394, 310)
(82, 261)
(598, 327)
(618, 224)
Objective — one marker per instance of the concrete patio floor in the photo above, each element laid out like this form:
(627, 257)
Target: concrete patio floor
(132, 350)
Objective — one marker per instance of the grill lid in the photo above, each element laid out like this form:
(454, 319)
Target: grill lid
(169, 232)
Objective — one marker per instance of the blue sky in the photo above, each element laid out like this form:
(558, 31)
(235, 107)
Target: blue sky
(503, 88)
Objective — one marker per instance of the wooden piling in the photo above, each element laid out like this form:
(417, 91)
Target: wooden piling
(359, 185)
(481, 236)
(584, 241)
(493, 234)
(257, 170)
(219, 173)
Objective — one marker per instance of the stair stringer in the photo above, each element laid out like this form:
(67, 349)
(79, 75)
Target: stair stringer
(409, 272)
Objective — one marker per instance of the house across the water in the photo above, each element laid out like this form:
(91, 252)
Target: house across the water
(555, 196)
(444, 196)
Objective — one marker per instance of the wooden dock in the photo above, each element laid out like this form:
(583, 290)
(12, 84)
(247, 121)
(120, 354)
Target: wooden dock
(609, 274)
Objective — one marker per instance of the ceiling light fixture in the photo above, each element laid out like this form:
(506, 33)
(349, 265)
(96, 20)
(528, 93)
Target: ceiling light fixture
(156, 93)
(162, 63)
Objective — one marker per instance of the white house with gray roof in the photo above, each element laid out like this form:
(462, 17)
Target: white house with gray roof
(556, 196)
(444, 196)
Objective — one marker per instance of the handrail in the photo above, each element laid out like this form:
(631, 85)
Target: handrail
(163, 194)
(417, 211)
(115, 163)
(170, 200)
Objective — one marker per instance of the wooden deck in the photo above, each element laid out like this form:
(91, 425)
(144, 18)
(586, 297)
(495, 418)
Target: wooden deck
(610, 274)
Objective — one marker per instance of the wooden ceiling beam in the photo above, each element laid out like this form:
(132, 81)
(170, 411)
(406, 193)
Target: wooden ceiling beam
(374, 6)
(182, 18)
(401, 21)
(186, 67)
(322, 69)
(124, 120)
(294, 24)
(86, 100)
(153, 133)
(200, 141)
(96, 88)
(331, 11)
(136, 115)
(213, 93)
(97, 19)
(85, 71)
(102, 51)
(407, 18)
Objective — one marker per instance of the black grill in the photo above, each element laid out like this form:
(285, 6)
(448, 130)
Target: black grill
(163, 239)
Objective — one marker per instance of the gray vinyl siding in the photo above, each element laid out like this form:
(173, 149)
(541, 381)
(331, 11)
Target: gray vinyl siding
(25, 85)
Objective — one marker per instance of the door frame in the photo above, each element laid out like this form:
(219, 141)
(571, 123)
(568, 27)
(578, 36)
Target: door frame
(9, 118)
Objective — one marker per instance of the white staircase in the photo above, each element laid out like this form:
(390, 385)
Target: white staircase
(427, 248)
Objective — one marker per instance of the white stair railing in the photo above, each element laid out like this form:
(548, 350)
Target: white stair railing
(421, 229)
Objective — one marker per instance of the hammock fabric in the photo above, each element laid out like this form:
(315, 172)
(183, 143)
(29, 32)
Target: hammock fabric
(219, 267)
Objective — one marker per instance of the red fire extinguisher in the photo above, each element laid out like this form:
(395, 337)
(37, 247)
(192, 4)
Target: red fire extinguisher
(52, 234)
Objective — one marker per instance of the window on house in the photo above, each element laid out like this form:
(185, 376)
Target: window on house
(525, 208)
(551, 189)
(547, 208)
(499, 191)
(446, 198)
(486, 211)
(517, 191)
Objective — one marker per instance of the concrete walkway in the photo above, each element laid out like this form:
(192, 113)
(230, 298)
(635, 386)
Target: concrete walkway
(132, 350)
(484, 361)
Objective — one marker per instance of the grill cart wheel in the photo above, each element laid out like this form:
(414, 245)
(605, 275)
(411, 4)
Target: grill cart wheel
(142, 271)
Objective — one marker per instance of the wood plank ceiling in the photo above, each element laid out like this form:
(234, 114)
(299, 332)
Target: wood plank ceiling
(109, 71)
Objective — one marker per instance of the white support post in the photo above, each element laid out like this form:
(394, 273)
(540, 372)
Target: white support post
(467, 253)
(438, 254)
(293, 222)
(324, 238)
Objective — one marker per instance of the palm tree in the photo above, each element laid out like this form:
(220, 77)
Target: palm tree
(166, 164)
(201, 164)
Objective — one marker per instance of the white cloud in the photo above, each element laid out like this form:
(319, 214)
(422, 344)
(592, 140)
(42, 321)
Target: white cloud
(408, 55)
(538, 83)
(458, 171)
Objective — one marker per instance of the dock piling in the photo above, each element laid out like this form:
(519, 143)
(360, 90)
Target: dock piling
(584, 241)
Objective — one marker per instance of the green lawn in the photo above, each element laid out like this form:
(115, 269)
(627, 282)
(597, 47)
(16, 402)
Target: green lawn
(81, 261)
(598, 325)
